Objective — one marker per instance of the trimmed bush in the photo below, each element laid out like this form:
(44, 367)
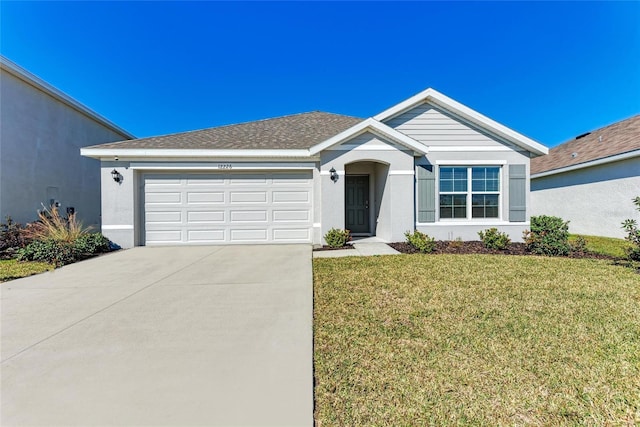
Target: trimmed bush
(549, 235)
(92, 244)
(494, 239)
(422, 242)
(337, 238)
(55, 252)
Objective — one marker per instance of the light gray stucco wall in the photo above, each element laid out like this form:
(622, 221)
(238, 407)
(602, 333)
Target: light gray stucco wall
(120, 210)
(395, 213)
(595, 200)
(40, 140)
(468, 229)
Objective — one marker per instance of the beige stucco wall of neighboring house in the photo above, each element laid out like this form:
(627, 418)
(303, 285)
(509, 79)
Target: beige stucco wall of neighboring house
(40, 140)
(594, 199)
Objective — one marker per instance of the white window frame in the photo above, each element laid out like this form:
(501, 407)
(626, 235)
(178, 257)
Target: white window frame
(469, 193)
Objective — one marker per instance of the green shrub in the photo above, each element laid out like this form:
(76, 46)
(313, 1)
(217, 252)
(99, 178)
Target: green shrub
(91, 244)
(633, 234)
(421, 241)
(61, 252)
(12, 238)
(549, 235)
(337, 238)
(51, 251)
(579, 244)
(494, 239)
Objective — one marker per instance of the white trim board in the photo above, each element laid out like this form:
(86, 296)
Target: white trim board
(223, 166)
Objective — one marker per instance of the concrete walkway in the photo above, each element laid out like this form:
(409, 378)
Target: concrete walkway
(162, 336)
(361, 247)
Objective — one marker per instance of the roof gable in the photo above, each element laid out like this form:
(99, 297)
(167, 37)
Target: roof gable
(376, 128)
(599, 145)
(465, 113)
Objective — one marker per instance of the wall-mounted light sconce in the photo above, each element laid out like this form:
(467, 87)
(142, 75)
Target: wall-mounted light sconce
(116, 176)
(334, 174)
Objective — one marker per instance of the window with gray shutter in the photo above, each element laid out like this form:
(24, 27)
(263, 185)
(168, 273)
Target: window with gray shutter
(426, 193)
(517, 193)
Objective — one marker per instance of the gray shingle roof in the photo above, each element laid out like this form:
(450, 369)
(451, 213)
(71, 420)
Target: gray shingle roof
(618, 138)
(297, 131)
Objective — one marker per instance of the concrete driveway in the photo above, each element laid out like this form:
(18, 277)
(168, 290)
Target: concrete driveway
(162, 336)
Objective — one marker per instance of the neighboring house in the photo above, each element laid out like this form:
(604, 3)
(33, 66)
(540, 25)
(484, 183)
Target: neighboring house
(428, 163)
(591, 180)
(41, 132)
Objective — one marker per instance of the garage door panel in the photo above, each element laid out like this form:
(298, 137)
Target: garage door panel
(202, 181)
(291, 215)
(205, 198)
(228, 207)
(164, 217)
(203, 236)
(162, 236)
(198, 217)
(291, 196)
(248, 197)
(288, 179)
(248, 216)
(247, 179)
(249, 235)
(165, 197)
(289, 234)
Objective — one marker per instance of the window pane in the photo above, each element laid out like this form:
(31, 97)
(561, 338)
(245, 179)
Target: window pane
(460, 185)
(460, 212)
(460, 200)
(446, 212)
(485, 179)
(478, 185)
(484, 206)
(446, 173)
(446, 199)
(446, 185)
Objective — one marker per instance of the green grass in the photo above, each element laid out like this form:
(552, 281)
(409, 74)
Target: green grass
(475, 340)
(12, 269)
(604, 245)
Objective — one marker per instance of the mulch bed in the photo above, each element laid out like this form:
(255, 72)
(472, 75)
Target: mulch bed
(477, 247)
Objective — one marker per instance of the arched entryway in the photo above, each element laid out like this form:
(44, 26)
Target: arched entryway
(366, 211)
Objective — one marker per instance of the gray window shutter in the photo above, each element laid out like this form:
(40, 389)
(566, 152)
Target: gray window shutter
(426, 194)
(517, 193)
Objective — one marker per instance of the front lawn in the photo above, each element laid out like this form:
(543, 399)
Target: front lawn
(604, 245)
(12, 269)
(476, 340)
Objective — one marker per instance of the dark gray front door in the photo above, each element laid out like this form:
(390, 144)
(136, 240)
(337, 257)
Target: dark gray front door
(357, 204)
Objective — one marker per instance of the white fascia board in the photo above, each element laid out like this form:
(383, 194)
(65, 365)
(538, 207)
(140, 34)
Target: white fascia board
(605, 160)
(35, 81)
(108, 153)
(223, 166)
(432, 96)
(375, 127)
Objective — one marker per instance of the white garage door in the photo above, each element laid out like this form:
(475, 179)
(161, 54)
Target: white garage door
(218, 208)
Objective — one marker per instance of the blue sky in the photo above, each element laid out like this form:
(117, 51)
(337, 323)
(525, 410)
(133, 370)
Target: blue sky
(549, 70)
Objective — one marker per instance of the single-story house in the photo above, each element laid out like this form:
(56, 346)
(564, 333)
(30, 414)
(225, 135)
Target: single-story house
(428, 163)
(41, 133)
(591, 180)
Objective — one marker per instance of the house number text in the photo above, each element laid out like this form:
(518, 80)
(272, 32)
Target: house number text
(225, 166)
